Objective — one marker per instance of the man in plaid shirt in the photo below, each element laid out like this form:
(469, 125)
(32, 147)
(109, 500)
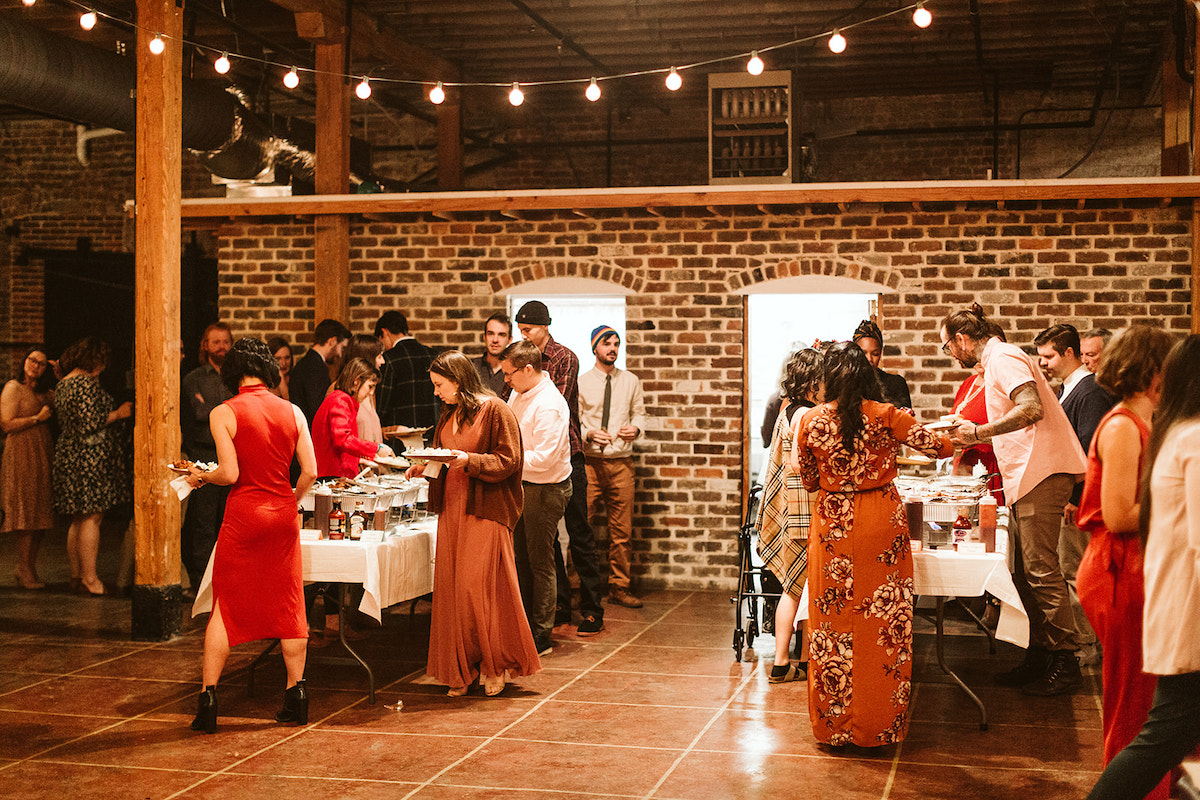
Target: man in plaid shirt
(533, 320)
(404, 395)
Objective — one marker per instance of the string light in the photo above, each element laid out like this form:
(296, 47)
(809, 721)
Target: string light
(87, 20)
(755, 65)
(516, 96)
(837, 42)
(221, 65)
(593, 91)
(292, 79)
(437, 95)
(28, 3)
(363, 90)
(157, 45)
(673, 80)
(922, 17)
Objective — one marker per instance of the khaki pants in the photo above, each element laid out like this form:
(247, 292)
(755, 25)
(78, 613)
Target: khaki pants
(610, 482)
(1036, 570)
(1072, 542)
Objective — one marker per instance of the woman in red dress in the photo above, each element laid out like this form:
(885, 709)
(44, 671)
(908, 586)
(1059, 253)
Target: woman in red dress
(335, 426)
(479, 629)
(1111, 589)
(257, 584)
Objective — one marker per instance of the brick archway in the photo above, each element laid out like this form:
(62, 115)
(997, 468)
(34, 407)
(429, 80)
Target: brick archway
(529, 271)
(882, 276)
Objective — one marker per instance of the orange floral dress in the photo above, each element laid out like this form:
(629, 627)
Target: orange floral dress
(860, 574)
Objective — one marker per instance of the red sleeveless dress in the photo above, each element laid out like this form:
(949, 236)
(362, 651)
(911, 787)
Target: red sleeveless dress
(257, 572)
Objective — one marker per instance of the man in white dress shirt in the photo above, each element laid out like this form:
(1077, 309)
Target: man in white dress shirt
(611, 415)
(544, 418)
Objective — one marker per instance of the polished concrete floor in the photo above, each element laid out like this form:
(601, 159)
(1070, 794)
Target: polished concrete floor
(653, 707)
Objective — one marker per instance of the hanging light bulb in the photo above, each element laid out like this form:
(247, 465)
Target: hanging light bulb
(437, 95)
(363, 90)
(837, 42)
(87, 20)
(673, 80)
(292, 79)
(593, 91)
(28, 2)
(516, 96)
(157, 45)
(755, 65)
(922, 17)
(221, 65)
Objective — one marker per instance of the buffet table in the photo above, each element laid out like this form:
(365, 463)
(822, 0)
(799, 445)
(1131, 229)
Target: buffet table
(398, 568)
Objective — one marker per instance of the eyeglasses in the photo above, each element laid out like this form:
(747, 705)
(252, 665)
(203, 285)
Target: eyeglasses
(39, 362)
(946, 346)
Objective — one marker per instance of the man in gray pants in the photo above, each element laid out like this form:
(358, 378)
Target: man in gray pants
(544, 418)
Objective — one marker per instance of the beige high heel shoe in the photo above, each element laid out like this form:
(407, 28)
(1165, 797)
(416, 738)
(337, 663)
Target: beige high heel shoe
(494, 685)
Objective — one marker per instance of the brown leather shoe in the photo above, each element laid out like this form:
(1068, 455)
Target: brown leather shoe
(622, 597)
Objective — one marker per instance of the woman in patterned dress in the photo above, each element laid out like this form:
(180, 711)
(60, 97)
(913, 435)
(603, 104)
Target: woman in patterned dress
(860, 583)
(25, 407)
(784, 511)
(86, 476)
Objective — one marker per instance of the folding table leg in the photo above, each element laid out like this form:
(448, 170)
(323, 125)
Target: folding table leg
(939, 621)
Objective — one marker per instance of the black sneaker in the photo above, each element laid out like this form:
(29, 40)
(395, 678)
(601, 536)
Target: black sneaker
(562, 616)
(1034, 666)
(1062, 677)
(590, 625)
(544, 646)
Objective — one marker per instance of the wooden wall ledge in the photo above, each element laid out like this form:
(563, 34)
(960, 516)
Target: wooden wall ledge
(660, 197)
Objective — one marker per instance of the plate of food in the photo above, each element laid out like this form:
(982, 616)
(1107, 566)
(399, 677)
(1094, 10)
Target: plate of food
(941, 425)
(184, 467)
(403, 430)
(914, 460)
(395, 462)
(430, 454)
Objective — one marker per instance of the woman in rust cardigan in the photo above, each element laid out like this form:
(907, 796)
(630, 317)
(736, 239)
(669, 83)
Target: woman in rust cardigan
(479, 629)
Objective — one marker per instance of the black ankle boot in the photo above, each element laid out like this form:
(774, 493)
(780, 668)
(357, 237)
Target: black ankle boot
(206, 711)
(295, 705)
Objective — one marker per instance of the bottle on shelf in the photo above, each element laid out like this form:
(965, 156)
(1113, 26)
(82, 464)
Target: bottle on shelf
(337, 521)
(726, 99)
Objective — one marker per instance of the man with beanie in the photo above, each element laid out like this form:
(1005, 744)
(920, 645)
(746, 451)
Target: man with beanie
(611, 415)
(533, 321)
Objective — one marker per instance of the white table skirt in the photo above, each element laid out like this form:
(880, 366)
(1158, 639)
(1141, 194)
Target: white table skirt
(947, 573)
(397, 569)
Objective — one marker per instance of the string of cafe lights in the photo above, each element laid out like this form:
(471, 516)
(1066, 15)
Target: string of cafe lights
(835, 39)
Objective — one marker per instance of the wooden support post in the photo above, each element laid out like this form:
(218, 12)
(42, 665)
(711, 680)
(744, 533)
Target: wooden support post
(159, 136)
(1195, 268)
(450, 141)
(1195, 171)
(331, 260)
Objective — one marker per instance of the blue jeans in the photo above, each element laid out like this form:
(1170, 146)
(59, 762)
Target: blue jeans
(1172, 730)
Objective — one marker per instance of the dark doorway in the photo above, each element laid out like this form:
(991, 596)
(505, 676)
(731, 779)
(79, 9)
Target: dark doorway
(90, 293)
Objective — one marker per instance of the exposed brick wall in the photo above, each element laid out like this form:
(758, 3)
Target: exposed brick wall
(49, 201)
(1031, 264)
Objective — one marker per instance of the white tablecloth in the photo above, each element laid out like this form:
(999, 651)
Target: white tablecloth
(947, 573)
(397, 569)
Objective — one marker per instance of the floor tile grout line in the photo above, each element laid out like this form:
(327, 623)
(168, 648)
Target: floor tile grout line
(547, 698)
(699, 735)
(891, 778)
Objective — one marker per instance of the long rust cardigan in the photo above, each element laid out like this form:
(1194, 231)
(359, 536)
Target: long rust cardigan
(495, 474)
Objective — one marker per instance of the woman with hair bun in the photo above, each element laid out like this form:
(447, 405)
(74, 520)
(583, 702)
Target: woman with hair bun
(257, 584)
(860, 575)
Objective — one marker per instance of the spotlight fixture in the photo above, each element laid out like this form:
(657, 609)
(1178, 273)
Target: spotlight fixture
(837, 42)
(221, 65)
(157, 45)
(87, 20)
(363, 90)
(593, 91)
(516, 96)
(292, 79)
(755, 65)
(673, 80)
(437, 95)
(922, 17)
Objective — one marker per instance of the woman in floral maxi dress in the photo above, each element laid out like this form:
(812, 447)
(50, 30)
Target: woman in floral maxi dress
(860, 571)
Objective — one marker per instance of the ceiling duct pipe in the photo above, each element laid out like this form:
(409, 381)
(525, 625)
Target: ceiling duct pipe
(63, 78)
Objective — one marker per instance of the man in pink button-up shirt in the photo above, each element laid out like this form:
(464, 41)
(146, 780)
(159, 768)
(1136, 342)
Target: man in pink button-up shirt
(1040, 460)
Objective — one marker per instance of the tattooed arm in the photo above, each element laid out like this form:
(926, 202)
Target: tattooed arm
(1027, 411)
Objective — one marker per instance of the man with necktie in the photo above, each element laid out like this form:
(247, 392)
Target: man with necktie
(611, 414)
